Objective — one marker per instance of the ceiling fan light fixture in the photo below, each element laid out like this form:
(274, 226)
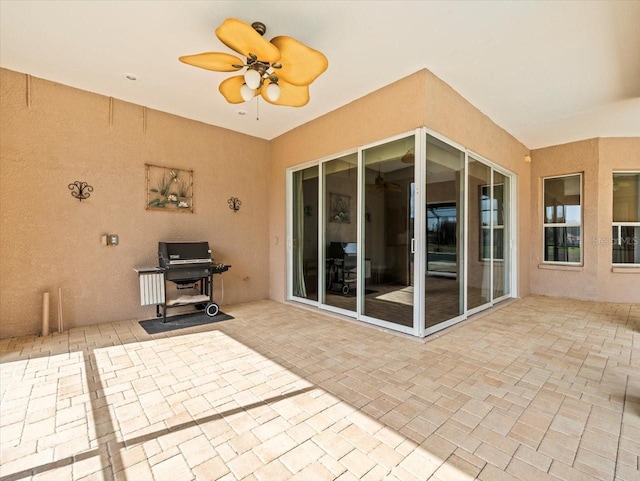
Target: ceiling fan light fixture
(247, 92)
(273, 91)
(252, 78)
(408, 157)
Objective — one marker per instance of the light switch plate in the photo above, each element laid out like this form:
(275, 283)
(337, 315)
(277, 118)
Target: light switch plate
(110, 239)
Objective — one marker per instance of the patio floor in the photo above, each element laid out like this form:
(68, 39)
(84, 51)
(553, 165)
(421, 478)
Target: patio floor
(540, 389)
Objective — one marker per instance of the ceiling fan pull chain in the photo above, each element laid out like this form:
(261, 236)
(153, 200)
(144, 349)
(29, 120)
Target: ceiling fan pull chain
(257, 108)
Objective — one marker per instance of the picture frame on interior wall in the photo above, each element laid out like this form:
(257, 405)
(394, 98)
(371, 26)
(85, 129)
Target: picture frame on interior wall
(339, 208)
(169, 189)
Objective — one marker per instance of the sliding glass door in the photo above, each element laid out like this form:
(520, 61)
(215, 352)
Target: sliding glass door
(388, 238)
(444, 279)
(489, 235)
(413, 234)
(501, 235)
(479, 285)
(340, 232)
(304, 234)
(468, 234)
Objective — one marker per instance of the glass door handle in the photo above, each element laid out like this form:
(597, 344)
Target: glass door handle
(413, 245)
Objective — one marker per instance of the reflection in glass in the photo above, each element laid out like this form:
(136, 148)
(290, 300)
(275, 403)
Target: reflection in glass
(340, 177)
(562, 219)
(388, 231)
(626, 244)
(562, 200)
(562, 244)
(626, 216)
(626, 197)
(305, 233)
(492, 219)
(479, 289)
(442, 238)
(444, 284)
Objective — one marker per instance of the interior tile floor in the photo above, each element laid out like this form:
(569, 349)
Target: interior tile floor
(539, 389)
(394, 303)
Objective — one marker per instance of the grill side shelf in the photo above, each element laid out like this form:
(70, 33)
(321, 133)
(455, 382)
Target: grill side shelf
(152, 286)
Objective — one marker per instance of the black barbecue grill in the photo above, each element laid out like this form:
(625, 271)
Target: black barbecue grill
(342, 265)
(190, 267)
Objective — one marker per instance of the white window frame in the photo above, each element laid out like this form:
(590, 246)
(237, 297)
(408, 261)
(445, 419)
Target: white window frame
(546, 225)
(620, 225)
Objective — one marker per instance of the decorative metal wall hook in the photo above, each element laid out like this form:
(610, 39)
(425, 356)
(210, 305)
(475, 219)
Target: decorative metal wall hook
(234, 203)
(80, 190)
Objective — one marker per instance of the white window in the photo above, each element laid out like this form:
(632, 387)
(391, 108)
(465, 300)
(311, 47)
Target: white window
(626, 218)
(563, 219)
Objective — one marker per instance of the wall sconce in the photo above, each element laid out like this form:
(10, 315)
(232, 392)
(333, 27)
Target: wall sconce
(80, 190)
(527, 159)
(234, 204)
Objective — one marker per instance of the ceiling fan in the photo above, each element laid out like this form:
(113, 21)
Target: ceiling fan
(279, 70)
(379, 185)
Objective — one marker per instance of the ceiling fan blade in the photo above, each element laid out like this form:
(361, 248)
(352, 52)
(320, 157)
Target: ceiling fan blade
(391, 187)
(230, 89)
(216, 61)
(301, 65)
(290, 95)
(242, 38)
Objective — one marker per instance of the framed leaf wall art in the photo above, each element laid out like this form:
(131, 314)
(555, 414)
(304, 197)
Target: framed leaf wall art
(169, 189)
(339, 208)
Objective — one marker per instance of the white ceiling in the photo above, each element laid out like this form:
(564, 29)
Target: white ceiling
(547, 72)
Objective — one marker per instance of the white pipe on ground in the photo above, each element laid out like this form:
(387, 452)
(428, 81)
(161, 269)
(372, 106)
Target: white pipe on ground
(45, 314)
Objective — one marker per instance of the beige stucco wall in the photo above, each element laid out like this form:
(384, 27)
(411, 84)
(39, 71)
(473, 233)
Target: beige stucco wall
(595, 280)
(48, 239)
(421, 99)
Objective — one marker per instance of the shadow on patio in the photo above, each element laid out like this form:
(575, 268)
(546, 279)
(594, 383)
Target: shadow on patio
(538, 388)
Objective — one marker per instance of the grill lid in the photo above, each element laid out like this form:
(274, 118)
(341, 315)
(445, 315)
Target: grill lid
(183, 253)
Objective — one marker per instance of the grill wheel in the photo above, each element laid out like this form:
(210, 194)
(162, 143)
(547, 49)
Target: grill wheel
(212, 309)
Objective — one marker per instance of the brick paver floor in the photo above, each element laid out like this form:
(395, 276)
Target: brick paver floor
(540, 389)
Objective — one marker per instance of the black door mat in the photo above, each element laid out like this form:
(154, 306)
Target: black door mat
(192, 319)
